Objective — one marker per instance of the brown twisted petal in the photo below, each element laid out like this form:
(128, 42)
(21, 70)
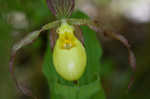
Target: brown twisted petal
(99, 28)
(29, 39)
(61, 8)
(123, 40)
(53, 37)
(19, 85)
(131, 58)
(79, 34)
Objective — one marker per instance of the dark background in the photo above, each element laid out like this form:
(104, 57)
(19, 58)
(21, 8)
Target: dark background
(130, 18)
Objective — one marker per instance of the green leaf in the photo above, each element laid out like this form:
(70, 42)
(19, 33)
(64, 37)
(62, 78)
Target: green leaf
(89, 85)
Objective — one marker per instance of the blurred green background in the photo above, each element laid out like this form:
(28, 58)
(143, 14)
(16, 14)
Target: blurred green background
(131, 18)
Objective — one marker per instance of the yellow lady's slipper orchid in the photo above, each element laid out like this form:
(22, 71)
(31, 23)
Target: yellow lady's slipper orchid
(69, 55)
